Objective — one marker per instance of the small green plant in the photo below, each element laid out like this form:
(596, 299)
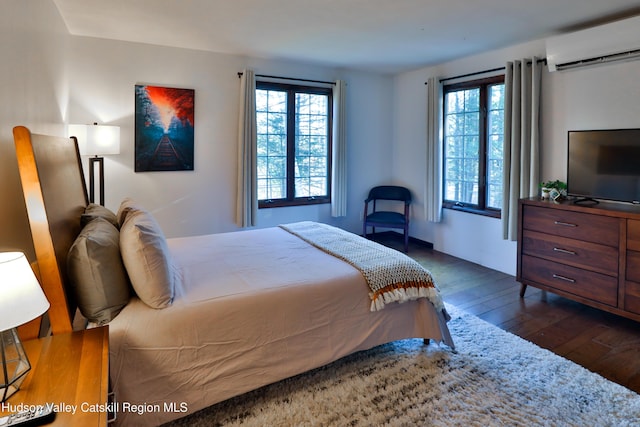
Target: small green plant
(557, 184)
(553, 190)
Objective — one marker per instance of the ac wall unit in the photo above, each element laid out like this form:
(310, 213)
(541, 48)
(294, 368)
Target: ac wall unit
(617, 41)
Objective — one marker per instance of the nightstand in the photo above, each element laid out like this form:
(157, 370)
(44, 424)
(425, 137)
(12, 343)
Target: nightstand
(71, 372)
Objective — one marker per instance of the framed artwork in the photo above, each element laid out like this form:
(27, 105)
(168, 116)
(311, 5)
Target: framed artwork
(163, 129)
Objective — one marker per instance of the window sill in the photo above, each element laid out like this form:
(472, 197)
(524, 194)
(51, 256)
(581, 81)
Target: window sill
(297, 202)
(461, 208)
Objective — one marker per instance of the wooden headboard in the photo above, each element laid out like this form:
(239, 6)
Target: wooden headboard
(56, 196)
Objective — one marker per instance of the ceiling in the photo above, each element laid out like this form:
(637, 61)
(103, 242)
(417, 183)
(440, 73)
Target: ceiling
(387, 36)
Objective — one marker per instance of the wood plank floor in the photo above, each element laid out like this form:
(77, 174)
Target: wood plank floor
(599, 341)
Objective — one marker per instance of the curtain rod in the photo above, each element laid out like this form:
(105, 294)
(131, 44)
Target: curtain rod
(289, 78)
(544, 60)
(472, 74)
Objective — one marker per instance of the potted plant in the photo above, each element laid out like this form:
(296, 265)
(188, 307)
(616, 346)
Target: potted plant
(553, 189)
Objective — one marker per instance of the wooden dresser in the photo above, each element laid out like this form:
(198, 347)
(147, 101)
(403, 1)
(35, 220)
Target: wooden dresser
(589, 254)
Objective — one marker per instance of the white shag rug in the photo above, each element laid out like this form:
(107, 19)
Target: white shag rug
(494, 378)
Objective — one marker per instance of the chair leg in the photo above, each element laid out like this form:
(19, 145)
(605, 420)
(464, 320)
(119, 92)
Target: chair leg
(406, 241)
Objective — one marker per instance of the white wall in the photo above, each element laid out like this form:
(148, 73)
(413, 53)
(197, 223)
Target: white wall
(601, 97)
(33, 92)
(591, 98)
(49, 78)
(203, 201)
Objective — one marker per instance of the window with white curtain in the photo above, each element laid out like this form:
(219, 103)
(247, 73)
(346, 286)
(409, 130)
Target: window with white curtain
(293, 144)
(473, 131)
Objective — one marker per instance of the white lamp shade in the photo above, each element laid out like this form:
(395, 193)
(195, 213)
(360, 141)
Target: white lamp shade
(21, 297)
(96, 140)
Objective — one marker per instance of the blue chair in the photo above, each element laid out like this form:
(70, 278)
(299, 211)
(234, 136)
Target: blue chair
(388, 219)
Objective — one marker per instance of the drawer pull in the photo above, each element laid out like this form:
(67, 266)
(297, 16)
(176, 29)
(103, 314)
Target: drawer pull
(564, 251)
(565, 224)
(566, 279)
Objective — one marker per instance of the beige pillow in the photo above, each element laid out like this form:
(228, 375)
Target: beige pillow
(96, 272)
(93, 211)
(127, 205)
(146, 257)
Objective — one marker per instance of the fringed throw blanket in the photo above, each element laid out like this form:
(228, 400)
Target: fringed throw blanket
(392, 276)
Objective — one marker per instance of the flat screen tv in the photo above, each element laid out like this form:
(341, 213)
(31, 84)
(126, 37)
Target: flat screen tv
(604, 164)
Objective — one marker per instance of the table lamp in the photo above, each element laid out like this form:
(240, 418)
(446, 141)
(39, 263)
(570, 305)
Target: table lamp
(96, 140)
(21, 300)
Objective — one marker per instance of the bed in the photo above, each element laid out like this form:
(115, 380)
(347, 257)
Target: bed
(246, 309)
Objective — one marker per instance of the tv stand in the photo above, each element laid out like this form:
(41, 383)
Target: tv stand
(586, 201)
(590, 254)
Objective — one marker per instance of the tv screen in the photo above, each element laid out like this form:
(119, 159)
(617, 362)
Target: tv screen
(604, 164)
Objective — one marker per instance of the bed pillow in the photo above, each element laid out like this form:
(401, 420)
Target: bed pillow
(127, 205)
(96, 272)
(146, 257)
(93, 211)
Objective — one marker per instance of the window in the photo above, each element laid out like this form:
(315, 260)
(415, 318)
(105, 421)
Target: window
(473, 145)
(294, 144)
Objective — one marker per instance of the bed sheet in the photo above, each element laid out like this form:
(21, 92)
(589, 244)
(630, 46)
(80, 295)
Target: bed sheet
(253, 307)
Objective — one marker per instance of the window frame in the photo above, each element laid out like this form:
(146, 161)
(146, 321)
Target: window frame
(481, 208)
(292, 90)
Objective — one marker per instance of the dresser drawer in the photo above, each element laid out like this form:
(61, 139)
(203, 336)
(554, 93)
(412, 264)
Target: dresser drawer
(632, 297)
(577, 253)
(633, 235)
(574, 225)
(586, 284)
(633, 266)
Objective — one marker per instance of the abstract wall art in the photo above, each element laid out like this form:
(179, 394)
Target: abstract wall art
(164, 129)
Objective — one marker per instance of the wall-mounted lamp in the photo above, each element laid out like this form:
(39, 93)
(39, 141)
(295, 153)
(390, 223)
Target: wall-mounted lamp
(21, 300)
(96, 140)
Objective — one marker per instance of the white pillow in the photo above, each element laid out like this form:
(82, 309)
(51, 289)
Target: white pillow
(147, 259)
(127, 205)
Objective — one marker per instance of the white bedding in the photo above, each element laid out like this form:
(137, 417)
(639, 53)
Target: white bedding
(254, 307)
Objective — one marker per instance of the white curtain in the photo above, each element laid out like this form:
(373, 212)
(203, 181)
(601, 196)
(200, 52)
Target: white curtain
(247, 198)
(433, 196)
(339, 152)
(521, 173)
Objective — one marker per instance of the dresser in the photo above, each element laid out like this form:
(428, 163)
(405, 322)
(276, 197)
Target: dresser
(589, 254)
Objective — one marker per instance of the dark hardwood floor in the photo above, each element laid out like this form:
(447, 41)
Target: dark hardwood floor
(599, 341)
